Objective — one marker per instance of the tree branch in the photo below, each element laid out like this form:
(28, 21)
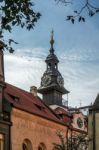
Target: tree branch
(64, 1)
(91, 9)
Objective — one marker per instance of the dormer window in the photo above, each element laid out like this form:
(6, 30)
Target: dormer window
(15, 99)
(39, 107)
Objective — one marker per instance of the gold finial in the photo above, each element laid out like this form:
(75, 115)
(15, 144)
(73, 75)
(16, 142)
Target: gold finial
(52, 40)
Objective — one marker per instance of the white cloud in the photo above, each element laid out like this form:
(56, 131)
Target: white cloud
(81, 78)
(23, 71)
(25, 68)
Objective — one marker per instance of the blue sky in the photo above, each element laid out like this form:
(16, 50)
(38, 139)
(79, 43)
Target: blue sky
(77, 47)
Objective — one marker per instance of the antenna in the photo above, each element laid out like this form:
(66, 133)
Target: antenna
(80, 103)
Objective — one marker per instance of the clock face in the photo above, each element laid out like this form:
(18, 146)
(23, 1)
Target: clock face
(60, 80)
(46, 80)
(80, 122)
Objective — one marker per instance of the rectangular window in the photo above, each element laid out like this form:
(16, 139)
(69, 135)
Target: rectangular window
(1, 142)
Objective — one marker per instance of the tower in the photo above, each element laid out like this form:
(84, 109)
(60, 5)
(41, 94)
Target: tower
(52, 82)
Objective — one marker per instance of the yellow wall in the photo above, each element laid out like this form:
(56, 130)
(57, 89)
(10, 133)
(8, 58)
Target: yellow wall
(97, 131)
(34, 128)
(90, 130)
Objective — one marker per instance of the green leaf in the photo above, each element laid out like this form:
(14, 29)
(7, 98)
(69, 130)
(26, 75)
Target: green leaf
(91, 13)
(68, 18)
(83, 19)
(14, 23)
(97, 10)
(12, 41)
(8, 27)
(72, 20)
(76, 11)
(11, 50)
(79, 19)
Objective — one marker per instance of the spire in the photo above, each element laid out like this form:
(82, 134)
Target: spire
(52, 42)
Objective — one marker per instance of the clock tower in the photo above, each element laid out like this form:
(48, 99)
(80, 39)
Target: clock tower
(52, 82)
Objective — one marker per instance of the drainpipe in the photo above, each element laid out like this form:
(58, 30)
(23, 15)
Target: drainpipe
(1, 76)
(94, 131)
(71, 139)
(67, 137)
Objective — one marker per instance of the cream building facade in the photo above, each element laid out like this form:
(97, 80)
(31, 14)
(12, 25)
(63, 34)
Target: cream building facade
(93, 125)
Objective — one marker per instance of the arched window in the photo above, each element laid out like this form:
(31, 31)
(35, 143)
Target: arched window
(42, 146)
(49, 65)
(1, 142)
(27, 145)
(55, 66)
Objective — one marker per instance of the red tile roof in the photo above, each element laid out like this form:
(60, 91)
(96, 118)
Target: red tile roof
(66, 117)
(27, 102)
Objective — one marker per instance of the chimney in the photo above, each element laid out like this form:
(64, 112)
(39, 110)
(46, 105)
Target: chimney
(33, 90)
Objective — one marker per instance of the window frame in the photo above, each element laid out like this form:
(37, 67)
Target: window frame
(42, 146)
(2, 141)
(28, 144)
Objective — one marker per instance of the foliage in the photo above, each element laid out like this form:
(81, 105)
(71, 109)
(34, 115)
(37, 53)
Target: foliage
(62, 145)
(16, 13)
(77, 142)
(21, 13)
(87, 7)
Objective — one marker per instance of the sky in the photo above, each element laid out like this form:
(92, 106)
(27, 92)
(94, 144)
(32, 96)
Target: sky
(76, 46)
